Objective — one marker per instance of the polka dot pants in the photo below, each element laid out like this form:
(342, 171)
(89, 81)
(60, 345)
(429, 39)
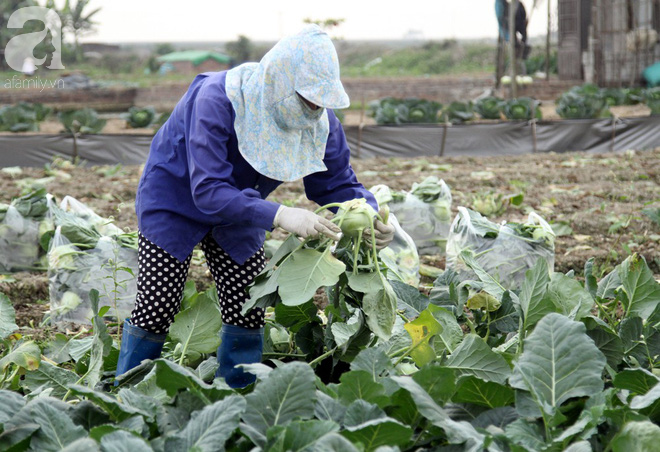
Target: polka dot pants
(161, 279)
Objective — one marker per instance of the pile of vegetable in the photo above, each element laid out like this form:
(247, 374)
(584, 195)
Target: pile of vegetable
(404, 111)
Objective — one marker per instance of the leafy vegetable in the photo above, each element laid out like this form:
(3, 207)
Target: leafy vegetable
(523, 108)
(85, 121)
(489, 107)
(404, 111)
(139, 117)
(458, 112)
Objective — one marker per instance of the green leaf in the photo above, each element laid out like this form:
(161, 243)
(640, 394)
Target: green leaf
(304, 272)
(360, 385)
(451, 334)
(334, 442)
(209, 428)
(437, 381)
(484, 300)
(261, 290)
(287, 247)
(88, 415)
(117, 410)
(646, 400)
(378, 432)
(57, 350)
(609, 343)
(7, 317)
(173, 378)
(196, 328)
(299, 436)
(328, 409)
(295, 317)
(57, 430)
(343, 332)
(638, 381)
(374, 361)
(365, 282)
(641, 288)
(123, 441)
(506, 319)
(288, 393)
(458, 432)
(641, 436)
(608, 285)
(568, 296)
(49, 376)
(526, 434)
(17, 438)
(475, 357)
(532, 294)
(26, 355)
(485, 393)
(409, 299)
(380, 310)
(11, 402)
(83, 445)
(559, 361)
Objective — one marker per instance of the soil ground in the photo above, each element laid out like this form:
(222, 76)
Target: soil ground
(599, 197)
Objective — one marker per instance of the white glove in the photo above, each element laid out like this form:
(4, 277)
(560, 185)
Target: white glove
(304, 223)
(384, 234)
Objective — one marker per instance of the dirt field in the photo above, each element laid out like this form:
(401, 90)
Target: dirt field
(600, 197)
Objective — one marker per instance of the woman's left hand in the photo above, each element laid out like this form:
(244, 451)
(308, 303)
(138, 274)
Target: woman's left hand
(383, 233)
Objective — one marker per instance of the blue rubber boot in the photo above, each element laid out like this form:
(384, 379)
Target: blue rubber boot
(137, 345)
(239, 346)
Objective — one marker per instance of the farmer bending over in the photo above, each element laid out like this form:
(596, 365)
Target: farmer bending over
(231, 140)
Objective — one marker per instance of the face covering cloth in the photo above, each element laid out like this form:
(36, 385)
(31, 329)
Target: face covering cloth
(279, 135)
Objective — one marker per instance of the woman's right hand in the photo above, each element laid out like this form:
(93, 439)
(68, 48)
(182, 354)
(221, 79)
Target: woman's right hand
(304, 223)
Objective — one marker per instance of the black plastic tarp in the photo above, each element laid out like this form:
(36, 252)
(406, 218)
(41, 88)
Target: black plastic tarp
(482, 139)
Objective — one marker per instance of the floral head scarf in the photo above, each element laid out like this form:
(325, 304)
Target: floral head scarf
(278, 134)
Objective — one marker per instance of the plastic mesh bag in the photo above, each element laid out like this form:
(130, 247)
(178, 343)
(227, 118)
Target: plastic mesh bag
(73, 272)
(401, 256)
(504, 251)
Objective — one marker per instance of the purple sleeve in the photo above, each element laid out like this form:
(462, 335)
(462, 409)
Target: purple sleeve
(338, 183)
(208, 123)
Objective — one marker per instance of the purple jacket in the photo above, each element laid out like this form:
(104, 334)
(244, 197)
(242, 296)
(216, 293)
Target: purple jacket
(195, 179)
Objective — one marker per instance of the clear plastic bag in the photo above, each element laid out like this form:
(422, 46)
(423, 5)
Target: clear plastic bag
(426, 217)
(19, 241)
(72, 273)
(504, 251)
(80, 210)
(401, 256)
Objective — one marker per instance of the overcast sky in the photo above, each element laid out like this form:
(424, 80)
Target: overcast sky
(266, 20)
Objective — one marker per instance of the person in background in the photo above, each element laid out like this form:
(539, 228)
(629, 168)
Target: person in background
(502, 14)
(230, 141)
